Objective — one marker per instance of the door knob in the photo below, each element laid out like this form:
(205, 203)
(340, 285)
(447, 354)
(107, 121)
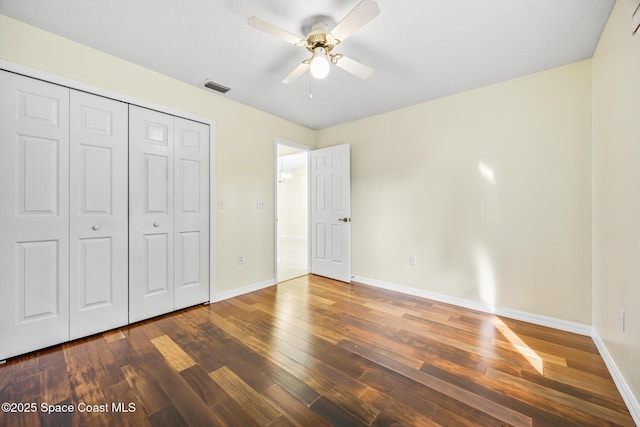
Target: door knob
(156, 224)
(95, 227)
(344, 219)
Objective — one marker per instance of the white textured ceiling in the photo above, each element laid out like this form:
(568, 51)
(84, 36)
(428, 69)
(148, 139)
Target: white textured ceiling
(420, 49)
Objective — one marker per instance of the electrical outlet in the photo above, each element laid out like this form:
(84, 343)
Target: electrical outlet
(220, 204)
(240, 259)
(412, 260)
(260, 204)
(621, 319)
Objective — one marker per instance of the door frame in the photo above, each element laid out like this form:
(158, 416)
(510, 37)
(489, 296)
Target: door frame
(73, 84)
(280, 141)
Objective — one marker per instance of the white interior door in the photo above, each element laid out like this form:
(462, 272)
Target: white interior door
(98, 214)
(331, 212)
(191, 213)
(34, 214)
(151, 220)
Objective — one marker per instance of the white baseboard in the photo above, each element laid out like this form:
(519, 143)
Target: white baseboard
(244, 290)
(537, 319)
(623, 387)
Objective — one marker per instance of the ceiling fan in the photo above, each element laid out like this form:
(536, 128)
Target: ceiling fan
(320, 42)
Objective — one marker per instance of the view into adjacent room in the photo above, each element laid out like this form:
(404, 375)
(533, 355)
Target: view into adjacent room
(292, 217)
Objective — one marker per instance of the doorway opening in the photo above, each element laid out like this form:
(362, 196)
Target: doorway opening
(292, 211)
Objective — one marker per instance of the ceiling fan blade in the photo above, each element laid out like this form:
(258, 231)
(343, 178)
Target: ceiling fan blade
(268, 28)
(299, 70)
(364, 12)
(355, 68)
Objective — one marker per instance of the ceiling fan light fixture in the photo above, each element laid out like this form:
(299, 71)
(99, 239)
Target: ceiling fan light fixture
(319, 64)
(320, 42)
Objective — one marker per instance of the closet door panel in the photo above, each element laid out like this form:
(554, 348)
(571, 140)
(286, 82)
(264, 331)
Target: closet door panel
(99, 214)
(34, 214)
(151, 221)
(191, 213)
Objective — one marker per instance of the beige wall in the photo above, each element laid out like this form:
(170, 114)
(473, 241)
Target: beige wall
(616, 190)
(244, 154)
(489, 189)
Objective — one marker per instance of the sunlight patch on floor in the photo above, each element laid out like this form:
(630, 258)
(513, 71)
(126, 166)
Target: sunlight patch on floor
(487, 288)
(520, 346)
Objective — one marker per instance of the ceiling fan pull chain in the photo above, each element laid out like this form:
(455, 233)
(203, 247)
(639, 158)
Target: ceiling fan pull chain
(310, 93)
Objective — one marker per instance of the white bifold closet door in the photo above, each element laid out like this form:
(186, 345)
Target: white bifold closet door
(191, 213)
(63, 216)
(34, 214)
(169, 214)
(98, 214)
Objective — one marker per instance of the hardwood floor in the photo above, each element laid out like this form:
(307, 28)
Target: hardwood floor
(314, 352)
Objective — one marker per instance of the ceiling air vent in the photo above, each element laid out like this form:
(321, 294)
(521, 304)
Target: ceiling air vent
(215, 86)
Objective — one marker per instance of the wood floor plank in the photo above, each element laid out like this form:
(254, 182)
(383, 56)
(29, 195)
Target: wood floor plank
(592, 395)
(296, 411)
(24, 387)
(446, 388)
(426, 341)
(560, 347)
(316, 347)
(257, 407)
(291, 384)
(55, 386)
(105, 364)
(232, 413)
(581, 379)
(146, 388)
(113, 335)
(5, 382)
(182, 396)
(227, 326)
(29, 365)
(204, 346)
(313, 351)
(392, 405)
(562, 399)
(82, 378)
(526, 351)
(141, 343)
(127, 410)
(508, 393)
(347, 383)
(207, 389)
(58, 419)
(335, 414)
(150, 329)
(54, 381)
(282, 421)
(168, 416)
(352, 404)
(174, 355)
(123, 351)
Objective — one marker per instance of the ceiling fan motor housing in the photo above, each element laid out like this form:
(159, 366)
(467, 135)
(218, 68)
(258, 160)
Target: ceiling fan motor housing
(320, 37)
